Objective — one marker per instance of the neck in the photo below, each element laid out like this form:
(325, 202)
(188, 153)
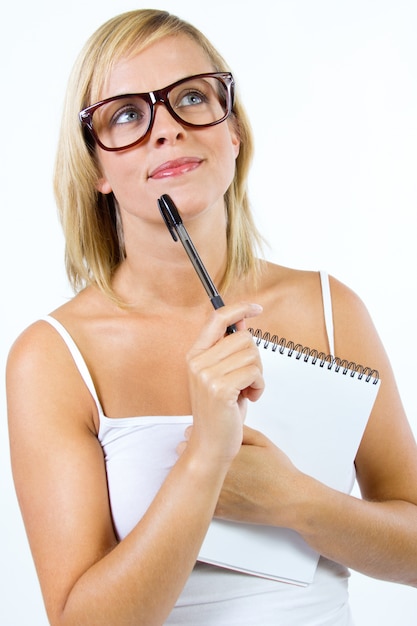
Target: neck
(157, 271)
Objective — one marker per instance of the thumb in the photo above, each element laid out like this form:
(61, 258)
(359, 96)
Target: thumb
(183, 444)
(181, 447)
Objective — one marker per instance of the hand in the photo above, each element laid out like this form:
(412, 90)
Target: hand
(224, 371)
(260, 484)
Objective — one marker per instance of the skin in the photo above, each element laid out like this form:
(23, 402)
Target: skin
(224, 468)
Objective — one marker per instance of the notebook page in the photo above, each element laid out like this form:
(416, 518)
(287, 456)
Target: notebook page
(317, 416)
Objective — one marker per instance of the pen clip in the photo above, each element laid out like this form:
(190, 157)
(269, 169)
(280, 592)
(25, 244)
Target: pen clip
(170, 214)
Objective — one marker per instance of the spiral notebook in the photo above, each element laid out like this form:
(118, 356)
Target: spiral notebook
(315, 408)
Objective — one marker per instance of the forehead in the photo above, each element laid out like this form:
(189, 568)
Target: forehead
(159, 64)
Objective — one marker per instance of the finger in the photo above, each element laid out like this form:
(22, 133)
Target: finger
(240, 325)
(233, 364)
(236, 354)
(181, 447)
(256, 388)
(233, 351)
(221, 319)
(246, 381)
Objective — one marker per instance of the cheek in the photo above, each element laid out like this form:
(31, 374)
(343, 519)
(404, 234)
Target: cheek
(116, 170)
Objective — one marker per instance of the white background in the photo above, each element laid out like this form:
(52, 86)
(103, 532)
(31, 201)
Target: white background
(331, 88)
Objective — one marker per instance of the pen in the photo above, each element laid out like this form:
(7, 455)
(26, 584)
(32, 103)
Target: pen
(177, 229)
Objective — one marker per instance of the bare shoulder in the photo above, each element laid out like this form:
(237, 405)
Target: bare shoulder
(296, 302)
(40, 345)
(56, 459)
(300, 285)
(294, 298)
(355, 333)
(41, 374)
(34, 352)
(345, 299)
(293, 305)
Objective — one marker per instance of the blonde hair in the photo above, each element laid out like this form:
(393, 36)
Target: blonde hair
(90, 220)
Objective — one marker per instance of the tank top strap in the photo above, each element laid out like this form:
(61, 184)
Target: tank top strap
(327, 308)
(78, 359)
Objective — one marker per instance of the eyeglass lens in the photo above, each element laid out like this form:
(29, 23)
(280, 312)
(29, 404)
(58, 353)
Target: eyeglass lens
(198, 101)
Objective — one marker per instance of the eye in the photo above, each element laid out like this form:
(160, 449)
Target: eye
(191, 98)
(121, 112)
(127, 115)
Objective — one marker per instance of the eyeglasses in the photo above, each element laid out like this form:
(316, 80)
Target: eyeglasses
(123, 121)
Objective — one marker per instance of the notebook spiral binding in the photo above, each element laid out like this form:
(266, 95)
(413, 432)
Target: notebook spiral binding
(306, 353)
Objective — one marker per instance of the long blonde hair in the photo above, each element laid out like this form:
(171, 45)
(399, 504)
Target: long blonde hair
(90, 220)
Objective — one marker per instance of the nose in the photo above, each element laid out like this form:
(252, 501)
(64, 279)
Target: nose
(165, 127)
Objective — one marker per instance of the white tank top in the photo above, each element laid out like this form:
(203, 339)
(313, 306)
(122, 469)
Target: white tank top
(139, 453)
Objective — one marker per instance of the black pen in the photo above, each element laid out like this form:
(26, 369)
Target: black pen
(177, 229)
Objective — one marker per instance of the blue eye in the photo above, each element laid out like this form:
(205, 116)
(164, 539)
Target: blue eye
(192, 98)
(127, 116)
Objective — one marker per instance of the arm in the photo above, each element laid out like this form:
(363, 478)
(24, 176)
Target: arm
(376, 535)
(86, 576)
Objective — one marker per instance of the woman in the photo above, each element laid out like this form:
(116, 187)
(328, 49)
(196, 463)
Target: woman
(116, 481)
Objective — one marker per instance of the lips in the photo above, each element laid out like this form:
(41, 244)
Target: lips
(175, 167)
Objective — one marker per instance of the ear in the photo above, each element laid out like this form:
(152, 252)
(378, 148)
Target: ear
(236, 144)
(235, 137)
(103, 185)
